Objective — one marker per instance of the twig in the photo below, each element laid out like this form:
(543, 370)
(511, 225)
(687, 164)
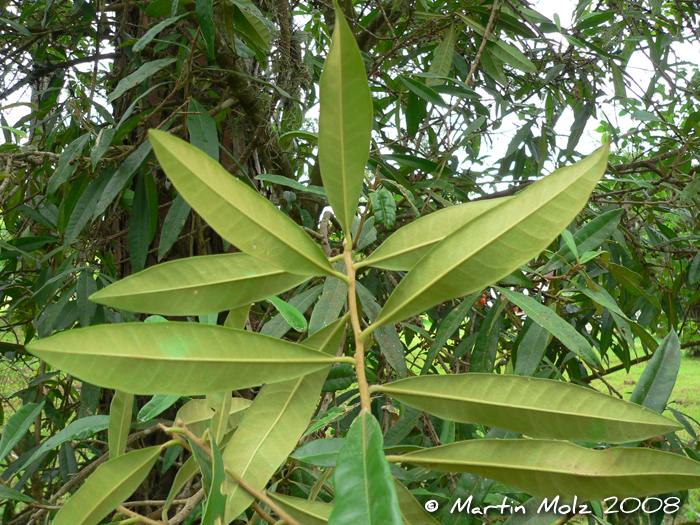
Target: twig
(126, 512)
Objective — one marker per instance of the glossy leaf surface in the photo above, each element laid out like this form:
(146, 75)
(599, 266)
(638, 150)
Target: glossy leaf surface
(198, 285)
(547, 469)
(498, 241)
(110, 485)
(539, 408)
(176, 358)
(364, 489)
(345, 123)
(237, 212)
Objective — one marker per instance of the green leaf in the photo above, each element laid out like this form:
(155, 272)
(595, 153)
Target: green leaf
(631, 281)
(364, 489)
(570, 242)
(184, 474)
(345, 123)
(151, 34)
(237, 212)
(291, 183)
(215, 506)
(134, 79)
(86, 287)
(198, 285)
(483, 357)
(139, 226)
(412, 511)
(161, 358)
(67, 163)
(155, 406)
(492, 65)
(422, 91)
(120, 412)
(512, 56)
(6, 493)
(618, 81)
(251, 27)
(86, 425)
(540, 408)
(331, 302)
(386, 336)
(274, 423)
(303, 510)
(197, 414)
(204, 10)
(442, 57)
(85, 207)
(555, 325)
(408, 245)
(531, 350)
(172, 226)
(202, 128)
(278, 325)
(237, 317)
(110, 485)
(285, 138)
(659, 377)
(121, 178)
(320, 452)
(547, 469)
(531, 516)
(588, 238)
(293, 316)
(384, 207)
(17, 426)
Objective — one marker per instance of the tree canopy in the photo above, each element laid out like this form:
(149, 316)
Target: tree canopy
(471, 103)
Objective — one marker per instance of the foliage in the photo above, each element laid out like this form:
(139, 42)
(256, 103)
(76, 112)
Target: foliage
(405, 340)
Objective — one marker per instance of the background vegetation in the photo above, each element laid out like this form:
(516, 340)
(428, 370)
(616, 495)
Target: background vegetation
(471, 101)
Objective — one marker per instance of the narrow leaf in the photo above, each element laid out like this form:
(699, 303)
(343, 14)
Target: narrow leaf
(364, 489)
(155, 407)
(345, 123)
(202, 128)
(540, 408)
(659, 377)
(172, 226)
(162, 358)
(547, 469)
(198, 285)
(120, 412)
(237, 212)
(303, 510)
(110, 485)
(330, 303)
(320, 452)
(442, 57)
(412, 511)
(138, 76)
(17, 426)
(139, 226)
(6, 493)
(293, 316)
(67, 162)
(487, 249)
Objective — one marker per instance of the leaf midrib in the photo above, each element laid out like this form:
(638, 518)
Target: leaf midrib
(451, 268)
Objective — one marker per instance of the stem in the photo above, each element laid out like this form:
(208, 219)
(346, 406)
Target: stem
(354, 318)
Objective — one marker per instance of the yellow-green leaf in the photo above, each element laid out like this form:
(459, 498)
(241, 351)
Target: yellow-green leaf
(176, 358)
(497, 242)
(237, 212)
(405, 247)
(198, 285)
(274, 423)
(303, 510)
(345, 123)
(197, 414)
(540, 408)
(547, 469)
(110, 485)
(120, 411)
(412, 511)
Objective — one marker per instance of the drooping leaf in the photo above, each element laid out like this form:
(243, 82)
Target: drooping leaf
(162, 358)
(242, 216)
(120, 412)
(152, 32)
(84, 208)
(86, 287)
(483, 358)
(345, 123)
(17, 426)
(251, 27)
(274, 423)
(138, 76)
(364, 489)
(442, 57)
(330, 303)
(198, 285)
(110, 485)
(531, 350)
(6, 493)
(446, 329)
(659, 377)
(202, 128)
(320, 452)
(139, 226)
(559, 328)
(172, 226)
(293, 316)
(155, 406)
(303, 510)
(215, 506)
(547, 469)
(487, 249)
(405, 247)
(412, 511)
(67, 162)
(540, 408)
(422, 91)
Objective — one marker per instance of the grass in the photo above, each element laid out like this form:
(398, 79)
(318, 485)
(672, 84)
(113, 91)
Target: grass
(685, 398)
